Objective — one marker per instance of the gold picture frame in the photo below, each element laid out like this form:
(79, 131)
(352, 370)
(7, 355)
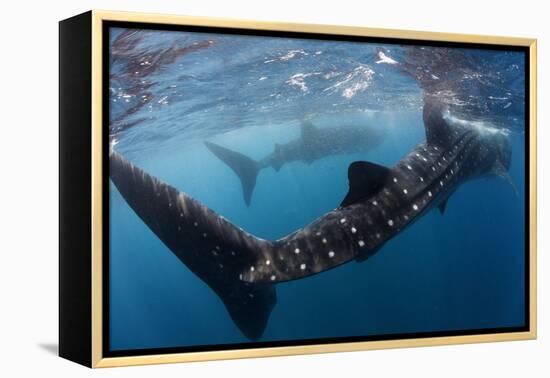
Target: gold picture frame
(89, 330)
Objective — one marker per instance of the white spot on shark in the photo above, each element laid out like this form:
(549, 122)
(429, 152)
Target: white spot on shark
(343, 220)
(394, 179)
(303, 266)
(375, 203)
(324, 241)
(390, 222)
(331, 254)
(429, 193)
(409, 168)
(297, 250)
(361, 243)
(415, 207)
(405, 191)
(251, 268)
(273, 277)
(353, 230)
(267, 262)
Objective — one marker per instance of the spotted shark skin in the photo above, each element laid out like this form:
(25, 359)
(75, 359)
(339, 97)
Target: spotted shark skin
(242, 268)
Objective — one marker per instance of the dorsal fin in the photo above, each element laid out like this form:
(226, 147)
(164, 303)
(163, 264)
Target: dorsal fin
(307, 130)
(365, 179)
(277, 162)
(438, 130)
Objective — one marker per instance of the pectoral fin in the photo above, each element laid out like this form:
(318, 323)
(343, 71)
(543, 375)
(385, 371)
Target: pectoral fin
(442, 206)
(502, 172)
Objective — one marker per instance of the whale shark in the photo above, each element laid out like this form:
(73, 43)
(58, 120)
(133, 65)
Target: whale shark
(243, 269)
(314, 143)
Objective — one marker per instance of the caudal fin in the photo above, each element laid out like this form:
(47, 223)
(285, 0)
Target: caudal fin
(210, 246)
(246, 168)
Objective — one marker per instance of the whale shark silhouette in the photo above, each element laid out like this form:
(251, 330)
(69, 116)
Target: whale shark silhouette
(313, 144)
(242, 269)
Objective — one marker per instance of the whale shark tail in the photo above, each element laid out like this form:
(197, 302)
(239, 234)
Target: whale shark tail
(244, 167)
(211, 247)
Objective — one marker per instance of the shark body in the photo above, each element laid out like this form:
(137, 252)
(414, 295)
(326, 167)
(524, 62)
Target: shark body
(313, 144)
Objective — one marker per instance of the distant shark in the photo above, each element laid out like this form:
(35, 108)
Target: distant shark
(242, 269)
(313, 144)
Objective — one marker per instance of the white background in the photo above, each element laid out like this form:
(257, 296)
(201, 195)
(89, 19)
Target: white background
(29, 174)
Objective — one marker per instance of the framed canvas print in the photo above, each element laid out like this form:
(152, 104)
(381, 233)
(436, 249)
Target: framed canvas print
(235, 189)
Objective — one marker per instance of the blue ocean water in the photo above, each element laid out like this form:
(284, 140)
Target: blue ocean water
(171, 91)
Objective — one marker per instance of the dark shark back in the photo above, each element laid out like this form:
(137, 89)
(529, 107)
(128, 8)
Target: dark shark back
(438, 130)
